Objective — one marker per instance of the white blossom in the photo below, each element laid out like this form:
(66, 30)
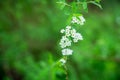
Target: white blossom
(67, 32)
(68, 27)
(63, 61)
(73, 31)
(64, 42)
(76, 37)
(62, 30)
(74, 20)
(67, 51)
(80, 20)
(70, 34)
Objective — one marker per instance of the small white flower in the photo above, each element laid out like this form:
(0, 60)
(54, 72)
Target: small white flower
(67, 51)
(62, 30)
(80, 20)
(67, 32)
(81, 23)
(74, 20)
(70, 35)
(68, 27)
(73, 31)
(64, 38)
(79, 36)
(63, 61)
(76, 37)
(64, 42)
(75, 40)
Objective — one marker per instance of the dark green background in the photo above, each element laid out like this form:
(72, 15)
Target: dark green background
(30, 34)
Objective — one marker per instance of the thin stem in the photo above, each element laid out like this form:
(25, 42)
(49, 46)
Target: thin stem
(66, 71)
(65, 67)
(64, 4)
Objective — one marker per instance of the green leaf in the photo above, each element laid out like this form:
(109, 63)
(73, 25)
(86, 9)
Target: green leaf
(61, 4)
(84, 5)
(95, 3)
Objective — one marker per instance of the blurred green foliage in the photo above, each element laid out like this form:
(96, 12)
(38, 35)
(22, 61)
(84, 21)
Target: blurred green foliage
(29, 37)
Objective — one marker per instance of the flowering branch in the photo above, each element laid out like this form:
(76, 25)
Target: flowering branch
(70, 35)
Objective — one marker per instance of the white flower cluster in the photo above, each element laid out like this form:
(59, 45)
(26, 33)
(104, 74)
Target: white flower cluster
(66, 40)
(67, 51)
(70, 35)
(63, 61)
(78, 20)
